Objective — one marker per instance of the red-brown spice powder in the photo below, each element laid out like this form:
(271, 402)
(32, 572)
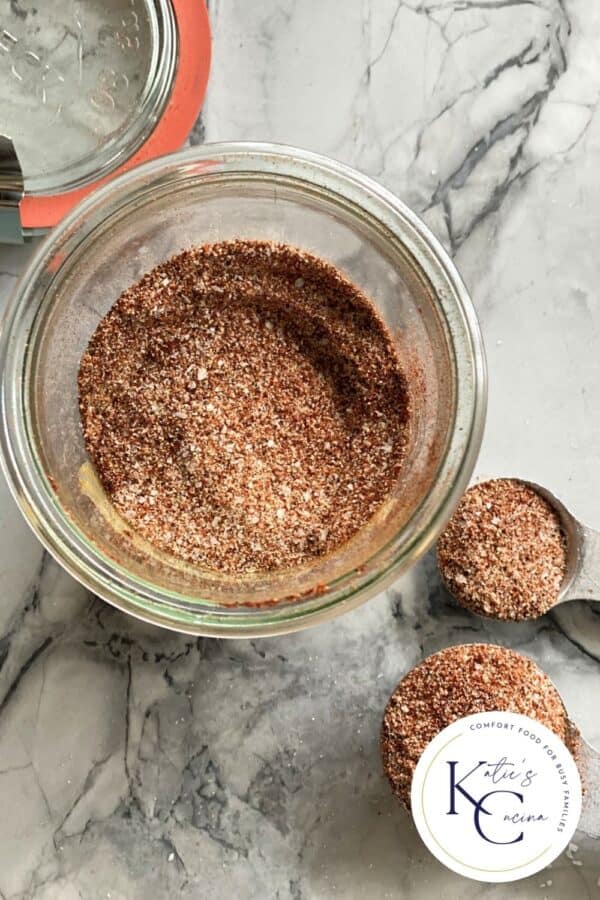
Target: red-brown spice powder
(244, 407)
(458, 682)
(504, 553)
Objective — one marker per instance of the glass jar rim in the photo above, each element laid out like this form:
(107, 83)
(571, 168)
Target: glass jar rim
(143, 599)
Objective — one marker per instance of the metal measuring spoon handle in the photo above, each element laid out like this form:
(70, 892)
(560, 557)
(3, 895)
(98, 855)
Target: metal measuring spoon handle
(585, 581)
(588, 762)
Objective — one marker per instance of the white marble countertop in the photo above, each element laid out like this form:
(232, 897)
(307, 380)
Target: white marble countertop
(135, 763)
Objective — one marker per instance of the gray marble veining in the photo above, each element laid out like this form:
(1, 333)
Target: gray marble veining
(135, 763)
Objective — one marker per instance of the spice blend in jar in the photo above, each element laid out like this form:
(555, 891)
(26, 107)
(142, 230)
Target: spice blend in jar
(458, 682)
(244, 407)
(504, 553)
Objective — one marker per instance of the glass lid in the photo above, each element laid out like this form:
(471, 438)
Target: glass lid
(81, 84)
(85, 86)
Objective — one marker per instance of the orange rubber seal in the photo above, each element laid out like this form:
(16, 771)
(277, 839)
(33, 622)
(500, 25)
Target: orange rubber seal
(172, 129)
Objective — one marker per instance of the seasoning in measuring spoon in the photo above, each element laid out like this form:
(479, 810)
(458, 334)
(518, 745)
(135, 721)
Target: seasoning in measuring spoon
(458, 682)
(504, 553)
(244, 407)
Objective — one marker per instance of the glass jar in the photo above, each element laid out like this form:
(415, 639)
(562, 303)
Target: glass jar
(212, 193)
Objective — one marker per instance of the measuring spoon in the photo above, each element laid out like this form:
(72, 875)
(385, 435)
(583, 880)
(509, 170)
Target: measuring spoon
(582, 575)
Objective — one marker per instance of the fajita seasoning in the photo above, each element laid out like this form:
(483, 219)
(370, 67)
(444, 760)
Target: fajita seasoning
(244, 407)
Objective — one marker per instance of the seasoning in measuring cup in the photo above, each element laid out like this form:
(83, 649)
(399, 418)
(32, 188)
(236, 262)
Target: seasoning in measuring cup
(504, 552)
(458, 682)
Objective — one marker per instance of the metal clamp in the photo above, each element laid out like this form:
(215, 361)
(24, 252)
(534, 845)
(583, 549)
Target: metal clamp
(11, 193)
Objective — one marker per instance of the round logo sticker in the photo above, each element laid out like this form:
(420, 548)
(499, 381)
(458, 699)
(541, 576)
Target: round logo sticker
(496, 796)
